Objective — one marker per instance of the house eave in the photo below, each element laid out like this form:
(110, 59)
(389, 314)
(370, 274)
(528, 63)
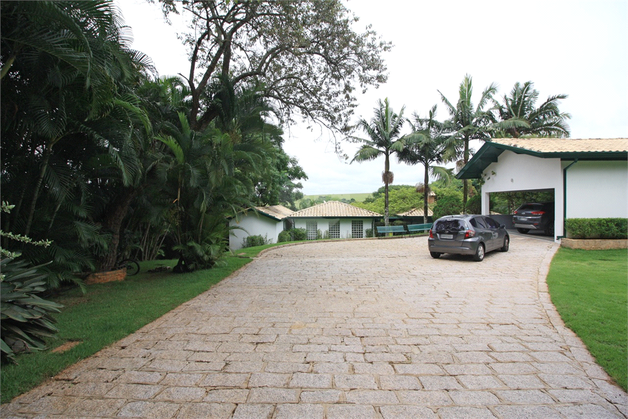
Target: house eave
(490, 152)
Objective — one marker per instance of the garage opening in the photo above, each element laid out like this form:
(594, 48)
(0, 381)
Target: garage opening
(537, 219)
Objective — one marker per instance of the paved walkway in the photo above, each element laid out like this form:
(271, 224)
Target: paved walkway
(353, 329)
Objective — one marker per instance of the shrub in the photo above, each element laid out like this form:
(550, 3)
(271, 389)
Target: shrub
(298, 234)
(369, 232)
(474, 205)
(257, 240)
(448, 205)
(26, 319)
(597, 228)
(284, 236)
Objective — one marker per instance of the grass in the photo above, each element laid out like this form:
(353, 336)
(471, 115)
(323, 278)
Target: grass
(590, 291)
(108, 312)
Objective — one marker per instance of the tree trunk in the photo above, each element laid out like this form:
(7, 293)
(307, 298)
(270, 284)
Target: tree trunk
(426, 179)
(465, 182)
(113, 223)
(40, 180)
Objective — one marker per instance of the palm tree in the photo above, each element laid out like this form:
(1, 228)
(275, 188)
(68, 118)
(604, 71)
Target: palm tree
(382, 131)
(519, 115)
(468, 123)
(426, 145)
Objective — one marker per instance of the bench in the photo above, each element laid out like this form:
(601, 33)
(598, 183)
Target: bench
(390, 229)
(414, 228)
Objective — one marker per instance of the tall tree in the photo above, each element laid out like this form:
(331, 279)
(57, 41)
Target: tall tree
(468, 122)
(304, 56)
(383, 140)
(425, 145)
(66, 92)
(519, 116)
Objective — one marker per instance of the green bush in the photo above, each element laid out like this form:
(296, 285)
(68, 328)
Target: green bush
(25, 318)
(284, 236)
(474, 205)
(257, 240)
(448, 205)
(369, 232)
(298, 234)
(597, 228)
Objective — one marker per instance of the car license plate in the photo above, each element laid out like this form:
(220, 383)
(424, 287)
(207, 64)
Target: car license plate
(447, 236)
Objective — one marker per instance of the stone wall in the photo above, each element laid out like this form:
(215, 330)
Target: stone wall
(595, 244)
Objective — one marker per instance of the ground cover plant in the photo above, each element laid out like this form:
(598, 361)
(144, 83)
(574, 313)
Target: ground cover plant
(108, 312)
(589, 289)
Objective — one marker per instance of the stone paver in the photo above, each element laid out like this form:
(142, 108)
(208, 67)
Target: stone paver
(363, 329)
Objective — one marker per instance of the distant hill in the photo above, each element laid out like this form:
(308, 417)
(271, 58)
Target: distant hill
(359, 197)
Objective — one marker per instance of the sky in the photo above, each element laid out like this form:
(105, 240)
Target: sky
(573, 47)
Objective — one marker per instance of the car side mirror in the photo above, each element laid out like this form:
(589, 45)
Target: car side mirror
(502, 226)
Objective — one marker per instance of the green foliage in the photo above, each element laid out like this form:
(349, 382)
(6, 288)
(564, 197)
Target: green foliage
(448, 205)
(256, 240)
(519, 116)
(26, 319)
(589, 290)
(474, 205)
(306, 54)
(401, 198)
(293, 234)
(298, 234)
(597, 228)
(284, 236)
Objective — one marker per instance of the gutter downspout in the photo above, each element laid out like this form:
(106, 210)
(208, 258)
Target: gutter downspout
(565, 199)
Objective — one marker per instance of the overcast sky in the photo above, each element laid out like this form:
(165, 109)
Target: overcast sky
(579, 48)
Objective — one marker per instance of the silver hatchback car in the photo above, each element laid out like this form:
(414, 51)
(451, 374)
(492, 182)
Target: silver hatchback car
(473, 235)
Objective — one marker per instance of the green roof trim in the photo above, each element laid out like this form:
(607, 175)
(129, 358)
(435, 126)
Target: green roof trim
(490, 152)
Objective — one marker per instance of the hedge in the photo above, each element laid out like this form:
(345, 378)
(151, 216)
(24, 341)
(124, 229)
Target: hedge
(597, 228)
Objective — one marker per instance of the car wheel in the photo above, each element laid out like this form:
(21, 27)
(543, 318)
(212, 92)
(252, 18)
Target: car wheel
(523, 230)
(506, 245)
(435, 255)
(479, 253)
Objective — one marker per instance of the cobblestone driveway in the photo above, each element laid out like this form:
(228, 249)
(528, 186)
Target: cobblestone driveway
(351, 329)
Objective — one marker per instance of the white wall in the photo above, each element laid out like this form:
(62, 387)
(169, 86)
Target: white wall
(521, 172)
(597, 189)
(322, 224)
(253, 224)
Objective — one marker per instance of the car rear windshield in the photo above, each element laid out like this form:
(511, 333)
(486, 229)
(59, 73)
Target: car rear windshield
(450, 225)
(531, 207)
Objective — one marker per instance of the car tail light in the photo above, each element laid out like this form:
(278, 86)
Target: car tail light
(538, 212)
(468, 234)
(431, 234)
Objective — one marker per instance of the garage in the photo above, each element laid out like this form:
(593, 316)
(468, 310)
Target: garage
(589, 177)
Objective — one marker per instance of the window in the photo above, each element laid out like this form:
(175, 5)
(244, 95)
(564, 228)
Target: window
(357, 229)
(312, 229)
(334, 229)
(491, 223)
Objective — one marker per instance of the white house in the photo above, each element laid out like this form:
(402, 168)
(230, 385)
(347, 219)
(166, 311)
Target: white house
(335, 220)
(267, 222)
(589, 177)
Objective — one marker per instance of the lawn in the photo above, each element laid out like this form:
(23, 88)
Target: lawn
(590, 291)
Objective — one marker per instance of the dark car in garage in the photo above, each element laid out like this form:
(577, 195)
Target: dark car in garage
(466, 234)
(534, 216)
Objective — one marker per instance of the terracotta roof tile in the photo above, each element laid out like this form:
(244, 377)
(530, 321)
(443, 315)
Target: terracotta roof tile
(276, 211)
(334, 209)
(558, 145)
(416, 212)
